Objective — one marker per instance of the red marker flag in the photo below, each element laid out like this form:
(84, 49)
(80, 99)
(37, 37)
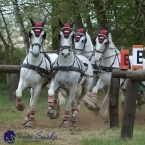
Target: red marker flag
(124, 59)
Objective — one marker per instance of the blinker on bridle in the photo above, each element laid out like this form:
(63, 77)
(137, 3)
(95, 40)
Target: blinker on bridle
(38, 27)
(80, 33)
(66, 30)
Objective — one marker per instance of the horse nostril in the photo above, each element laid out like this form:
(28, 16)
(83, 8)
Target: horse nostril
(68, 53)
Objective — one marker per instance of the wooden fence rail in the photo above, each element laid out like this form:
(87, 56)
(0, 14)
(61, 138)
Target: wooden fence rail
(132, 79)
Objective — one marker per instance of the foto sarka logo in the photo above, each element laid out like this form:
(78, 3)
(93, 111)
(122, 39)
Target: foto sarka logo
(9, 136)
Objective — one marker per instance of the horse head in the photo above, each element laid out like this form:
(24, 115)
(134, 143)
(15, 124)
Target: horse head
(66, 37)
(101, 43)
(37, 35)
(80, 40)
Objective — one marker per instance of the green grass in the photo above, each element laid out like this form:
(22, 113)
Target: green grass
(8, 110)
(113, 137)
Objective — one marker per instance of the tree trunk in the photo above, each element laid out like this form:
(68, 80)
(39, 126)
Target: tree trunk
(6, 55)
(19, 21)
(100, 14)
(54, 26)
(78, 22)
(138, 22)
(89, 27)
(9, 39)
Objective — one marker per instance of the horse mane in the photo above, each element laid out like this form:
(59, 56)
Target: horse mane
(111, 44)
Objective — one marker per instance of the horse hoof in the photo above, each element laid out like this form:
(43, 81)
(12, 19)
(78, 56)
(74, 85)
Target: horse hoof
(21, 108)
(107, 121)
(24, 122)
(64, 125)
(73, 121)
(29, 124)
(96, 110)
(53, 115)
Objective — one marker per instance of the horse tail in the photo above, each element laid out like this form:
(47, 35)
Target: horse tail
(88, 100)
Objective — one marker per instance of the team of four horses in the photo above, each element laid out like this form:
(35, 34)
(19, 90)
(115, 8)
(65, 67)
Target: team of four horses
(84, 65)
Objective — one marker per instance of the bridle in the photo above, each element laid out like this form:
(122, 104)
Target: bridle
(66, 30)
(37, 44)
(66, 47)
(101, 38)
(80, 33)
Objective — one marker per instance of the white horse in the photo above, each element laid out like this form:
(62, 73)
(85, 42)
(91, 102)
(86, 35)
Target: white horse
(35, 71)
(84, 46)
(107, 57)
(71, 70)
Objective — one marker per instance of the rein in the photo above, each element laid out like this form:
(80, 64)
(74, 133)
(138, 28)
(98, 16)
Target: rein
(110, 56)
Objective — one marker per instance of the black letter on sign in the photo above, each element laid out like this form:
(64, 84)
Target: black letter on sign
(139, 55)
(126, 59)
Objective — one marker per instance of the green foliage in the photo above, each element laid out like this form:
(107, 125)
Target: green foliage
(18, 55)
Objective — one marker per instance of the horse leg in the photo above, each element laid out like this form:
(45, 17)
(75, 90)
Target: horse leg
(53, 106)
(19, 104)
(93, 107)
(71, 95)
(105, 102)
(33, 103)
(29, 110)
(56, 104)
(85, 89)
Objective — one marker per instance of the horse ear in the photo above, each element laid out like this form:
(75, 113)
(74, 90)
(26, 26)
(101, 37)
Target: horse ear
(85, 29)
(43, 22)
(32, 22)
(76, 27)
(72, 24)
(30, 34)
(60, 23)
(94, 41)
(99, 28)
(44, 35)
(109, 29)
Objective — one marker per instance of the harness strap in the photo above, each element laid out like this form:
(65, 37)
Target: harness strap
(38, 69)
(65, 68)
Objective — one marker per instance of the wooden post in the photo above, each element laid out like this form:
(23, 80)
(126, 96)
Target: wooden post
(113, 102)
(14, 80)
(129, 109)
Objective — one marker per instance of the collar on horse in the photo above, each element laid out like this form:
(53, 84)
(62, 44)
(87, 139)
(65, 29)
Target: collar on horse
(71, 67)
(110, 68)
(45, 73)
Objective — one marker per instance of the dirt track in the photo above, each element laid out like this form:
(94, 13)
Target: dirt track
(87, 126)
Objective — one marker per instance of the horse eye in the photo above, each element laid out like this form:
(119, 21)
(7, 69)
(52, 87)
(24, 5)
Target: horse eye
(82, 41)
